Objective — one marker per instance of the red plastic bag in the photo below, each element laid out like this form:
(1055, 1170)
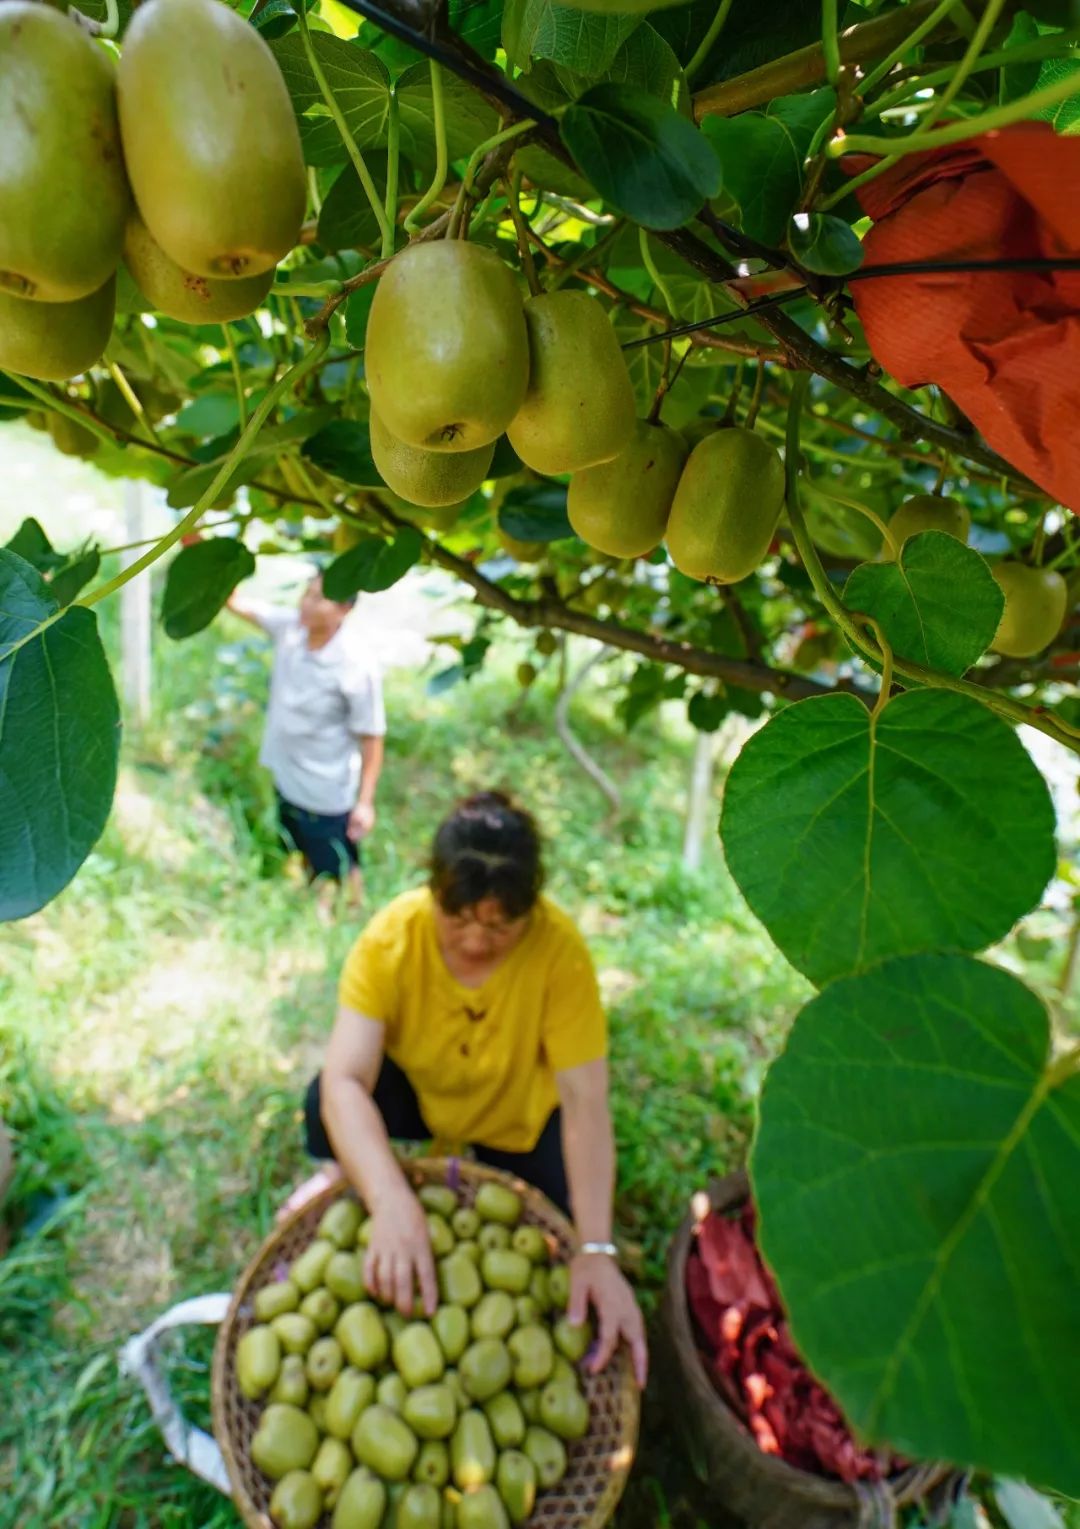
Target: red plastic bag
(1005, 346)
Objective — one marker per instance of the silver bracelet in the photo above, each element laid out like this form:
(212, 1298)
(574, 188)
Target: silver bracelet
(607, 1248)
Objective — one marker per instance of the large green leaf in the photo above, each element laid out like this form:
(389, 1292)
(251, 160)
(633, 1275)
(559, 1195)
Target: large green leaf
(585, 41)
(190, 485)
(915, 1171)
(536, 512)
(823, 243)
(343, 449)
(762, 155)
(59, 740)
(360, 85)
(32, 543)
(467, 116)
(1065, 117)
(479, 23)
(641, 155)
(373, 564)
(751, 35)
(939, 605)
(199, 581)
(644, 60)
(854, 838)
(346, 218)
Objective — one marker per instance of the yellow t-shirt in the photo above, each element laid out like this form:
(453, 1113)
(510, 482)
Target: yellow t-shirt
(482, 1060)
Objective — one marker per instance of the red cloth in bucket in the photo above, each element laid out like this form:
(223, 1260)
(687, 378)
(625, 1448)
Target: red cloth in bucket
(743, 1334)
(1005, 346)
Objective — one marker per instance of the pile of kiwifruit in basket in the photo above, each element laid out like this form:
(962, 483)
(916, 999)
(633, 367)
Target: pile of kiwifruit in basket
(457, 1421)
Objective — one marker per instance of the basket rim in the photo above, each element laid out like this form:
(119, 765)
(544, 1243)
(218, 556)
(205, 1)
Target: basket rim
(906, 1485)
(419, 1169)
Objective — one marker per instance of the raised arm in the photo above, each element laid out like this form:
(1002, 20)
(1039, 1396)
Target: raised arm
(245, 609)
(399, 1256)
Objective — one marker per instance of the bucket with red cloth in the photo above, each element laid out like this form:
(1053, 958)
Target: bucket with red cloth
(773, 1445)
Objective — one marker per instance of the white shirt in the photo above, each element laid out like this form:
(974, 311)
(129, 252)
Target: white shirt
(322, 701)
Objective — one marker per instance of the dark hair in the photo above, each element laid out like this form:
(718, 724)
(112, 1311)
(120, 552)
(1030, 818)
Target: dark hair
(487, 847)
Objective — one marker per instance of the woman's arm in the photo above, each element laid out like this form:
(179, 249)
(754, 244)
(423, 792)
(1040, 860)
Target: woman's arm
(399, 1251)
(595, 1278)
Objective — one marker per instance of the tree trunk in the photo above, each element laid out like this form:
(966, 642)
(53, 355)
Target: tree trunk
(574, 748)
(135, 616)
(699, 818)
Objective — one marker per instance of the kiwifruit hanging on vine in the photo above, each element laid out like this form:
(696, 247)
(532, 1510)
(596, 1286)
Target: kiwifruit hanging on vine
(210, 138)
(63, 193)
(446, 355)
(182, 295)
(579, 408)
(621, 507)
(71, 438)
(1035, 603)
(726, 507)
(54, 341)
(521, 551)
(429, 479)
(926, 512)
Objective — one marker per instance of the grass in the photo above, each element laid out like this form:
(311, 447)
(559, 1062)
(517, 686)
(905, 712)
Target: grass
(159, 1020)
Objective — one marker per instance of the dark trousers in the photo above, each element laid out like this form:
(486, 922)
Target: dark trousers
(322, 838)
(396, 1101)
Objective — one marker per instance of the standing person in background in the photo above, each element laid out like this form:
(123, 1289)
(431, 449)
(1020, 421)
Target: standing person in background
(325, 724)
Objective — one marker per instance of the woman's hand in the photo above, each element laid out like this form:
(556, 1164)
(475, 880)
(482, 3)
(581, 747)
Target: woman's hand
(399, 1256)
(597, 1281)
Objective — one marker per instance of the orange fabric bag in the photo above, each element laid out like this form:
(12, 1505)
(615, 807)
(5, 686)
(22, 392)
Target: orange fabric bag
(1005, 346)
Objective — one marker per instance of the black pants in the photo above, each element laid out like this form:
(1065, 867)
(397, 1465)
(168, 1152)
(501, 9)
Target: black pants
(399, 1107)
(322, 838)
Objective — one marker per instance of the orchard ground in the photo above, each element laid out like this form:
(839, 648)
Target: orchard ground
(158, 1020)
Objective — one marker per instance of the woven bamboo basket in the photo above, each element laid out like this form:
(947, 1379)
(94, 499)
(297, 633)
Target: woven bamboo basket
(762, 1490)
(598, 1464)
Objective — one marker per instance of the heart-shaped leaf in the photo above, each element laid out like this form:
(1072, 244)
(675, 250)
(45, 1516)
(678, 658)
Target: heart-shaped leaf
(854, 838)
(642, 156)
(939, 605)
(360, 85)
(199, 581)
(373, 564)
(762, 154)
(59, 740)
(467, 116)
(583, 40)
(915, 1171)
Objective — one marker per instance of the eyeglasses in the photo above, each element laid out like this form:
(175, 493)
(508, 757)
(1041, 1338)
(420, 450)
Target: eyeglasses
(499, 929)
